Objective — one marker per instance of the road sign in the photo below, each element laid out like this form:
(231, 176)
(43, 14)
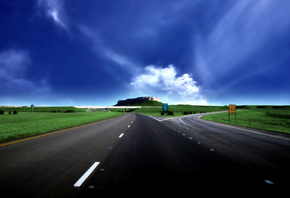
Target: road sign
(232, 108)
(165, 107)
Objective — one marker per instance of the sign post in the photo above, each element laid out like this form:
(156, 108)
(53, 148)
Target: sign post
(232, 109)
(32, 106)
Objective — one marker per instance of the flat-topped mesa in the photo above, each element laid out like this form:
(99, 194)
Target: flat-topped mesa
(132, 101)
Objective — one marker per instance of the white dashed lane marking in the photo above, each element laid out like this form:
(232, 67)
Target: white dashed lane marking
(86, 175)
(268, 181)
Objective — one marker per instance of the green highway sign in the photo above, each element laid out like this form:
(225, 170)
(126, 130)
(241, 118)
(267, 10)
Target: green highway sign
(165, 107)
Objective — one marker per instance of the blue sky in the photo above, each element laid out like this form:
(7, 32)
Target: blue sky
(95, 52)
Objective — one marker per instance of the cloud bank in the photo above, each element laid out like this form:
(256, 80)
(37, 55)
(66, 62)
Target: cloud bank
(164, 83)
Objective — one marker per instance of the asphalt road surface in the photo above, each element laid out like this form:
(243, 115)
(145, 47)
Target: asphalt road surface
(138, 155)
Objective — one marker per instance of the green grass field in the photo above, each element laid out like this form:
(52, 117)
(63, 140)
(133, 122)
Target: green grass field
(20, 126)
(45, 119)
(274, 118)
(178, 110)
(37, 110)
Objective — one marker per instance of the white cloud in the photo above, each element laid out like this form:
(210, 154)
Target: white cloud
(168, 86)
(121, 60)
(13, 79)
(100, 47)
(54, 9)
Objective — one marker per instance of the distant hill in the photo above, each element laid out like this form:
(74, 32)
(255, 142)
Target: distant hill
(140, 101)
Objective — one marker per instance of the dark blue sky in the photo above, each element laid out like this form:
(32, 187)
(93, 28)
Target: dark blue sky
(72, 52)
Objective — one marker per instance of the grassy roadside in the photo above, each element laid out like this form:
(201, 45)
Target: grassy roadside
(20, 126)
(269, 119)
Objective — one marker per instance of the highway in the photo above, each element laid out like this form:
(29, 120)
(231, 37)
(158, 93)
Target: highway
(144, 155)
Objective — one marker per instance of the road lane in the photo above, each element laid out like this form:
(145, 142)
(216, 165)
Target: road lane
(49, 166)
(165, 156)
(266, 154)
(150, 157)
(136, 153)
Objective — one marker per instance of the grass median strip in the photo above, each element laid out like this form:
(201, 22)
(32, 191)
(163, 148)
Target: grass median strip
(22, 126)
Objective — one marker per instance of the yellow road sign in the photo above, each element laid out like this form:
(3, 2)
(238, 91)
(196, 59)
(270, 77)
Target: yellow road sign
(232, 108)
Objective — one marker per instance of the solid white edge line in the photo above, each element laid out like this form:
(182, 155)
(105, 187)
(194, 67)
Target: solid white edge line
(86, 175)
(121, 135)
(246, 130)
(154, 118)
(184, 123)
